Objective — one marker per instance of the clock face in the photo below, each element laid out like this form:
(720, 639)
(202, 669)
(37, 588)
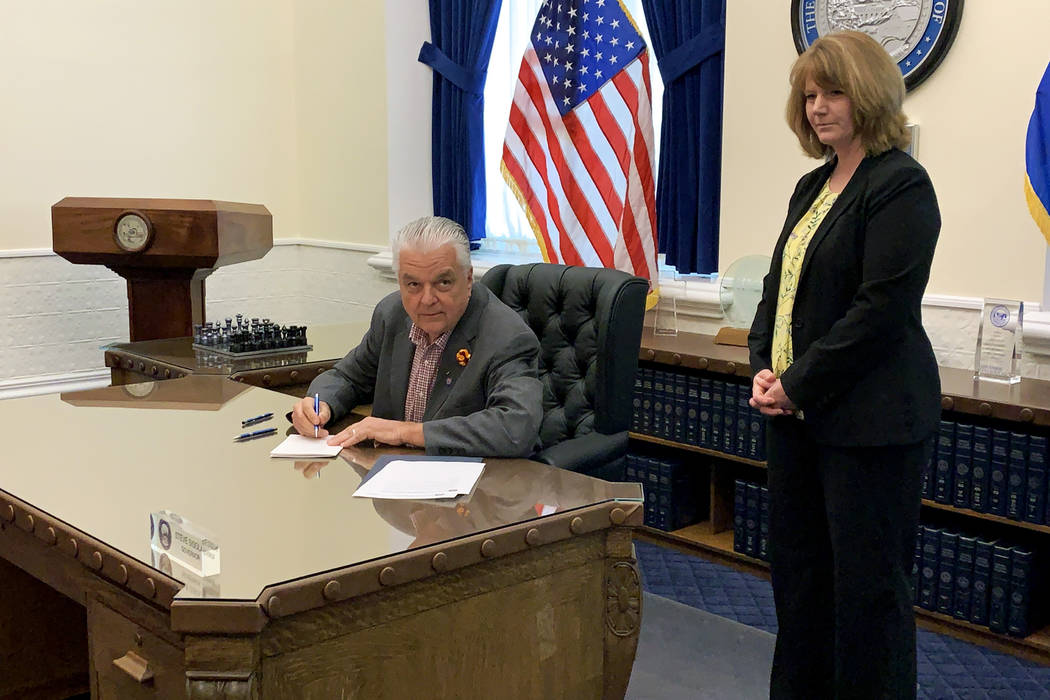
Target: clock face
(133, 232)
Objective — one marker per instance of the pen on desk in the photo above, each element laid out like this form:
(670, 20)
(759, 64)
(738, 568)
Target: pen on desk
(263, 432)
(257, 419)
(317, 411)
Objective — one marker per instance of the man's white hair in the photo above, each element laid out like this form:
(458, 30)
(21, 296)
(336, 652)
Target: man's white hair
(429, 233)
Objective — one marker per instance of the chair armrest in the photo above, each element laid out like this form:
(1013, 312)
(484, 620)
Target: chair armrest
(586, 453)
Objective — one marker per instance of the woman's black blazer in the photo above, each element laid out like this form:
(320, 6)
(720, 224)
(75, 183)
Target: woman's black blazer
(864, 372)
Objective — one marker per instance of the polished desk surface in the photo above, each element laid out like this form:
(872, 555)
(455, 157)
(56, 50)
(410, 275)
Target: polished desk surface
(102, 460)
(329, 342)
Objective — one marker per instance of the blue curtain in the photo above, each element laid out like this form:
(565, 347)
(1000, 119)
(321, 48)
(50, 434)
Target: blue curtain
(688, 40)
(461, 33)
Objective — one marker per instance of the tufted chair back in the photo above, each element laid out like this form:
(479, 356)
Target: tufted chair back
(589, 324)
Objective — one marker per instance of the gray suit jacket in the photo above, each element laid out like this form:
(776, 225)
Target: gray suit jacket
(490, 408)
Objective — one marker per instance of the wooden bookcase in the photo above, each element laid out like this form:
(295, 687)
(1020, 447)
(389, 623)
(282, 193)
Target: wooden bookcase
(1025, 404)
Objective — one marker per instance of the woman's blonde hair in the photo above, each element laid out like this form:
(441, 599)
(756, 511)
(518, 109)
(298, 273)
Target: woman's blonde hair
(856, 64)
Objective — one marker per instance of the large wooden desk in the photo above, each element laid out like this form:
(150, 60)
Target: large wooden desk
(525, 589)
(288, 372)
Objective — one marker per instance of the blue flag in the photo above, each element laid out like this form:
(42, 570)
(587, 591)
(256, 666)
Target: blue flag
(1037, 158)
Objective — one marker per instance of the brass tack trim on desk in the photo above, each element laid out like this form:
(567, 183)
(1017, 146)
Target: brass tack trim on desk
(122, 574)
(28, 524)
(331, 590)
(151, 587)
(617, 516)
(50, 536)
(488, 549)
(440, 562)
(947, 403)
(96, 561)
(702, 363)
(153, 370)
(266, 380)
(576, 526)
(74, 547)
(650, 354)
(984, 408)
(167, 374)
(294, 374)
(676, 359)
(1027, 415)
(388, 576)
(532, 537)
(9, 513)
(273, 606)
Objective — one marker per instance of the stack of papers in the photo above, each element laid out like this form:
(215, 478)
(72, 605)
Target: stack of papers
(418, 479)
(302, 447)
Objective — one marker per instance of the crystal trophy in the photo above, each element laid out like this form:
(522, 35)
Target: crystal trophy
(665, 320)
(998, 356)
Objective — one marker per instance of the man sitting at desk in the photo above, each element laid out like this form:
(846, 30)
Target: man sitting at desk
(446, 365)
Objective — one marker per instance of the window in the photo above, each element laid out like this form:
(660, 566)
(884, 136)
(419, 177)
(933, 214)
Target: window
(507, 229)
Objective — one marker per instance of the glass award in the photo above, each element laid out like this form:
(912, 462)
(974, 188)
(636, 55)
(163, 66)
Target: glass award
(665, 321)
(998, 356)
(184, 543)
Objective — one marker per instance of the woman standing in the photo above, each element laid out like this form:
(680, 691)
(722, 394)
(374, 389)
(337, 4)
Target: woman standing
(845, 372)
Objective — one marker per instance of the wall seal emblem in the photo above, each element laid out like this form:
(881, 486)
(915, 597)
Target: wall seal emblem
(916, 33)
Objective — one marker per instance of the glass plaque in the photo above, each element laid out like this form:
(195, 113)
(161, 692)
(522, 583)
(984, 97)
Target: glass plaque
(184, 543)
(998, 355)
(665, 321)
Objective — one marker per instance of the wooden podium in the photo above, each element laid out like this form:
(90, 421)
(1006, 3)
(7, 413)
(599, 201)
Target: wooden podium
(164, 248)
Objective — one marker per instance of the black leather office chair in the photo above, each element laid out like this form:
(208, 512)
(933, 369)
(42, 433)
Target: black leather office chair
(589, 324)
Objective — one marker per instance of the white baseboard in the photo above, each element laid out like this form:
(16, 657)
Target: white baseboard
(53, 383)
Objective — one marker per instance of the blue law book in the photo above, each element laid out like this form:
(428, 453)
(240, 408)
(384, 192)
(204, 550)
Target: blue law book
(743, 421)
(668, 424)
(931, 544)
(982, 574)
(636, 402)
(704, 427)
(964, 555)
(751, 516)
(946, 572)
(657, 428)
(681, 391)
(718, 390)
(1016, 476)
(763, 523)
(630, 470)
(963, 465)
(981, 470)
(1035, 495)
(942, 477)
(739, 516)
(999, 589)
(998, 472)
(647, 400)
(1017, 619)
(692, 411)
(757, 449)
(729, 418)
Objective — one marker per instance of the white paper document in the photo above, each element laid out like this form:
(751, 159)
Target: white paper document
(418, 479)
(302, 447)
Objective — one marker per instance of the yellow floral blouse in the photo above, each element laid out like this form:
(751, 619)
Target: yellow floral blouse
(794, 254)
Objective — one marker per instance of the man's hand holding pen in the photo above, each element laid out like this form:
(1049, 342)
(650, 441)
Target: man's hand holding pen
(308, 420)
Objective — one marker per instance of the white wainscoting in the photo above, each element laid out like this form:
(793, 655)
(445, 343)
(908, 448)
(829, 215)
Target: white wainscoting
(56, 316)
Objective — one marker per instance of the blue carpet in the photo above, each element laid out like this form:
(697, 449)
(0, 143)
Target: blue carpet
(948, 667)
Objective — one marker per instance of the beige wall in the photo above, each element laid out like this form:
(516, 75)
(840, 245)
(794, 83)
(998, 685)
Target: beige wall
(275, 102)
(972, 114)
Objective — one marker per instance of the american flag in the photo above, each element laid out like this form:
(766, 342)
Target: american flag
(578, 150)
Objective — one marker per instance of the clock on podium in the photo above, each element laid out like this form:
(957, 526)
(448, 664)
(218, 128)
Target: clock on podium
(164, 248)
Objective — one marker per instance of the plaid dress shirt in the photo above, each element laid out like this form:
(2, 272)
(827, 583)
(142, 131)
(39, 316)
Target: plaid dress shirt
(424, 367)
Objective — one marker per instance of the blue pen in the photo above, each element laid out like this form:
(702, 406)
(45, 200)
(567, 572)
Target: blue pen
(257, 419)
(317, 410)
(263, 432)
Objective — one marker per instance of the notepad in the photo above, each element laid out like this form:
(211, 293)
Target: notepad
(302, 447)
